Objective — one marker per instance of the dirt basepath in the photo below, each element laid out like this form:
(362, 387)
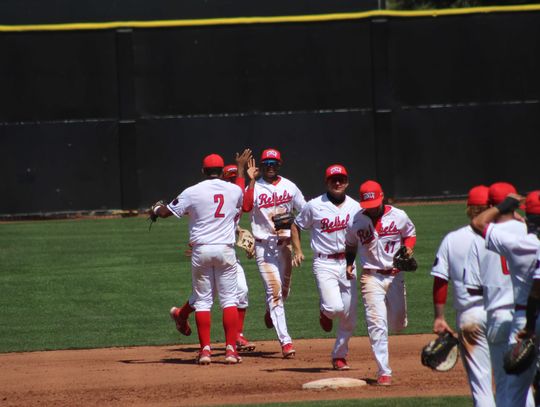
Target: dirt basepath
(167, 376)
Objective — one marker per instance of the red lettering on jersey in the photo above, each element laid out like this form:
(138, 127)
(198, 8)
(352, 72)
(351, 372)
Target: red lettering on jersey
(365, 236)
(266, 201)
(335, 225)
(389, 230)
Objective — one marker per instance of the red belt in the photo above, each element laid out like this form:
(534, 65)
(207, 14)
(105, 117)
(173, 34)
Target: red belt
(336, 256)
(279, 242)
(387, 272)
(519, 307)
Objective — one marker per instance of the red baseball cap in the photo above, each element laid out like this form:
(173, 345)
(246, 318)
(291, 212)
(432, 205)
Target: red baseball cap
(335, 169)
(371, 194)
(213, 161)
(532, 203)
(499, 191)
(271, 154)
(230, 171)
(478, 195)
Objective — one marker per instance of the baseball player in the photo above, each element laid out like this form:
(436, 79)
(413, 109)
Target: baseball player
(486, 273)
(470, 315)
(377, 233)
(235, 174)
(213, 207)
(326, 217)
(521, 253)
(265, 197)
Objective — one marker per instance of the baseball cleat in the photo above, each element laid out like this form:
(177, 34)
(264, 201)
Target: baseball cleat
(182, 325)
(243, 345)
(325, 322)
(268, 320)
(340, 364)
(288, 351)
(231, 356)
(205, 356)
(384, 380)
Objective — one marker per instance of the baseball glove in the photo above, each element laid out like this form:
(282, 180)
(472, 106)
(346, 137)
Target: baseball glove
(152, 216)
(246, 241)
(520, 356)
(404, 262)
(441, 354)
(283, 221)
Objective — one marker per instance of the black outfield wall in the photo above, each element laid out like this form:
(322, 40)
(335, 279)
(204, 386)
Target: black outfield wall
(109, 119)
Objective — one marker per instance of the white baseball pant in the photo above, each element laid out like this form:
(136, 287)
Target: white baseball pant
(213, 270)
(384, 298)
(338, 300)
(242, 292)
(472, 326)
(274, 259)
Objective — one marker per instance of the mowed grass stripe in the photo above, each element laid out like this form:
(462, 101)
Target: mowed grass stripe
(110, 282)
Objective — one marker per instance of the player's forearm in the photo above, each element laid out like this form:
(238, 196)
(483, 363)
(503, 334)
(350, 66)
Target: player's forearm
(350, 254)
(162, 211)
(296, 239)
(480, 222)
(247, 203)
(409, 242)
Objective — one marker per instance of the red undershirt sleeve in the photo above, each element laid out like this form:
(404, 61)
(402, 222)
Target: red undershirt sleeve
(440, 290)
(410, 241)
(247, 204)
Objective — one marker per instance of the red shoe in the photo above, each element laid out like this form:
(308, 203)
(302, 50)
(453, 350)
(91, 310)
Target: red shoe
(243, 345)
(288, 351)
(268, 320)
(231, 356)
(205, 356)
(325, 322)
(182, 325)
(340, 364)
(384, 380)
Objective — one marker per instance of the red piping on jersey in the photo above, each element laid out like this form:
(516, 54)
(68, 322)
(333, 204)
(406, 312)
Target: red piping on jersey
(440, 291)
(377, 221)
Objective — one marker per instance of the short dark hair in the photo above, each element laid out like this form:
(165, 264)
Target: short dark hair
(213, 172)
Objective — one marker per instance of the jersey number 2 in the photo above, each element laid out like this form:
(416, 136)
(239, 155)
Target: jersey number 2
(218, 198)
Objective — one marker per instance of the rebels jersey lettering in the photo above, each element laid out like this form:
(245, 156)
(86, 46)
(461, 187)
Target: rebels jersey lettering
(521, 252)
(489, 271)
(327, 223)
(272, 199)
(450, 261)
(213, 206)
(378, 243)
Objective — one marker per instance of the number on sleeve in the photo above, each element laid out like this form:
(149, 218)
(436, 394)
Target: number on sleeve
(218, 198)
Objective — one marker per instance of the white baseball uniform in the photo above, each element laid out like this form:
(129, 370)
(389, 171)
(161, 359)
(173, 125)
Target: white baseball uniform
(273, 249)
(521, 253)
(327, 223)
(213, 206)
(383, 287)
(470, 315)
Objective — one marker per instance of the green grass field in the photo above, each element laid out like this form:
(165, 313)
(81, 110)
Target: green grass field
(99, 283)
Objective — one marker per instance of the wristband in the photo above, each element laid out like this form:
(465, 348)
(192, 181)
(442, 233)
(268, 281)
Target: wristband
(509, 205)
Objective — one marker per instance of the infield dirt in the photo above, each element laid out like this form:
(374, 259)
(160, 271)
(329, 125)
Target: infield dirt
(168, 376)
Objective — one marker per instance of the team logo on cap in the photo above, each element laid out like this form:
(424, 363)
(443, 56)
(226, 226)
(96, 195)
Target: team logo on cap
(335, 170)
(368, 195)
(272, 153)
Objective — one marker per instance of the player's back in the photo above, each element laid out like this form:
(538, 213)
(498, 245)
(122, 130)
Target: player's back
(214, 205)
(450, 263)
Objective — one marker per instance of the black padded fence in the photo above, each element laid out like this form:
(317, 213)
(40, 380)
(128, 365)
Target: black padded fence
(115, 119)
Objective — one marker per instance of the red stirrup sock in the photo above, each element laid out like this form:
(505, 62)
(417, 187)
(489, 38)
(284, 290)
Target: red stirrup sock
(203, 320)
(230, 325)
(241, 317)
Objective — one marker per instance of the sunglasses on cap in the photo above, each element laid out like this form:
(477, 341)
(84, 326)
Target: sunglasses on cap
(270, 163)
